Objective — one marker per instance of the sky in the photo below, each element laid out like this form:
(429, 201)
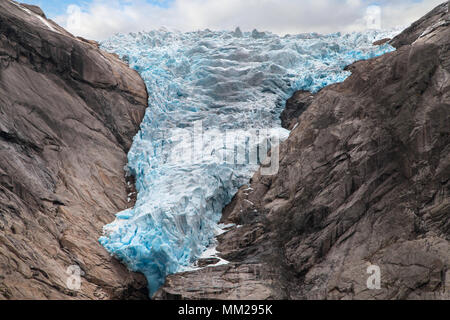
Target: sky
(99, 19)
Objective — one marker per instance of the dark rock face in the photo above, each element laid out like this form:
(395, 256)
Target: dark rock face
(68, 113)
(364, 180)
(381, 42)
(295, 106)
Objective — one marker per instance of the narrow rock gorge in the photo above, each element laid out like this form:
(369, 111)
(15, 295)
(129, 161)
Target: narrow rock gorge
(68, 114)
(364, 180)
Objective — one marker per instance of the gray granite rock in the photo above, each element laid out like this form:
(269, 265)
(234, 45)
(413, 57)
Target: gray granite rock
(68, 113)
(364, 180)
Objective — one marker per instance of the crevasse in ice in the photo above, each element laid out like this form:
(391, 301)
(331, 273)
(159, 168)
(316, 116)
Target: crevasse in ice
(218, 86)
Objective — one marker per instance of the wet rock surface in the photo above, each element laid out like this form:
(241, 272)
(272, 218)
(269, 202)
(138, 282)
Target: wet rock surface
(68, 113)
(364, 180)
(381, 42)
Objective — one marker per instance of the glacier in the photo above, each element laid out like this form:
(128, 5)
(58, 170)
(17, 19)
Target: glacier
(210, 94)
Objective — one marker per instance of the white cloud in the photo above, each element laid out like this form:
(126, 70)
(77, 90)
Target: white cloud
(101, 18)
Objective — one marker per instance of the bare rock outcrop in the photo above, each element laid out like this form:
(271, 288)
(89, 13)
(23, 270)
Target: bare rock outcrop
(295, 106)
(68, 113)
(364, 180)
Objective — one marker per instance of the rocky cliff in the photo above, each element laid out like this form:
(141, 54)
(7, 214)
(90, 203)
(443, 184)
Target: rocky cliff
(364, 180)
(68, 113)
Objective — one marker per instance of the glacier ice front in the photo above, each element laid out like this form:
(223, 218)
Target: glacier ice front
(210, 95)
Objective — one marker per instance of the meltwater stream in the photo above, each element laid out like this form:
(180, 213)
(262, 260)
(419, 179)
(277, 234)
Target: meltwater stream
(219, 86)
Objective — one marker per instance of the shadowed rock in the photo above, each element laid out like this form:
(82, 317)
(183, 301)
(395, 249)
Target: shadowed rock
(295, 106)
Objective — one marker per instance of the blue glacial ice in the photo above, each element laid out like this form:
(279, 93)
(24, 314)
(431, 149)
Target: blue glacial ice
(218, 86)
